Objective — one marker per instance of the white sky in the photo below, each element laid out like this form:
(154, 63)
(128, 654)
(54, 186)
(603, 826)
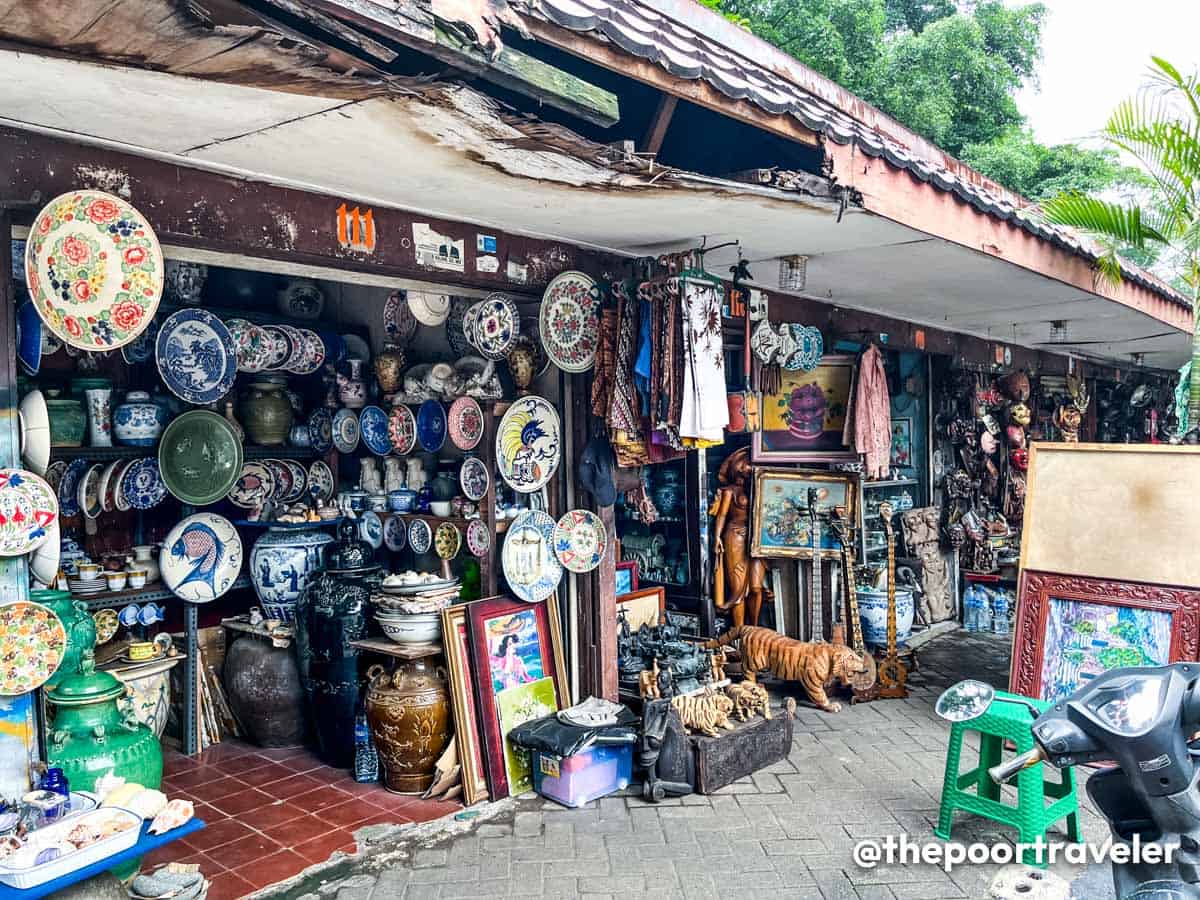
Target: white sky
(1096, 53)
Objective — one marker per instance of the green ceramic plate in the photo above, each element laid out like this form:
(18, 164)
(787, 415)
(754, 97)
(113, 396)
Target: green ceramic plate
(199, 457)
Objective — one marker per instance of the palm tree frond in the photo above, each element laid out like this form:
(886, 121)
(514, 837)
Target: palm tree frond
(1123, 224)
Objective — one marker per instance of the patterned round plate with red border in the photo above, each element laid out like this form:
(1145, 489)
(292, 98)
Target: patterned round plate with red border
(402, 429)
(569, 321)
(32, 643)
(479, 539)
(466, 423)
(28, 506)
(579, 540)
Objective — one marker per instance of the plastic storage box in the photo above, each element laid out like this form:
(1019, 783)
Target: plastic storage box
(584, 777)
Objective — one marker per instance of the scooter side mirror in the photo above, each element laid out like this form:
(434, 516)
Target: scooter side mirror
(964, 701)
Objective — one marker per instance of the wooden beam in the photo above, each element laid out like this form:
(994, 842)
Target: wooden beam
(653, 140)
(332, 26)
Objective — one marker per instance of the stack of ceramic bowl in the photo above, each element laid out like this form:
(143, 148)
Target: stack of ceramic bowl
(409, 606)
(87, 580)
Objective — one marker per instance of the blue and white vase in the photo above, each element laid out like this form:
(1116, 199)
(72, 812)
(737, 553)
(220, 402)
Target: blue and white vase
(281, 564)
(872, 612)
(139, 421)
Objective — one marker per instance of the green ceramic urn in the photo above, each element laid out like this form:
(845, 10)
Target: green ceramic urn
(266, 413)
(80, 627)
(68, 421)
(92, 735)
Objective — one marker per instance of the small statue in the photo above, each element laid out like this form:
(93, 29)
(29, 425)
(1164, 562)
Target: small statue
(648, 683)
(718, 660)
(705, 712)
(393, 473)
(738, 578)
(748, 698)
(1067, 419)
(369, 478)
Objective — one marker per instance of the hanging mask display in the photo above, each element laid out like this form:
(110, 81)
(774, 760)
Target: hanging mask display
(1019, 414)
(1018, 457)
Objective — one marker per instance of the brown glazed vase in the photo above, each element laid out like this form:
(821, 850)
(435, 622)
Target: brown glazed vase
(263, 684)
(388, 366)
(409, 715)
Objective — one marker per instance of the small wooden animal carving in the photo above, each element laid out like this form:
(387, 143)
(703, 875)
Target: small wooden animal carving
(749, 697)
(816, 666)
(706, 712)
(648, 683)
(718, 665)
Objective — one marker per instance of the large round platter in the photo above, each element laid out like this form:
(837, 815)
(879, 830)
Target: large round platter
(402, 429)
(201, 557)
(299, 480)
(142, 484)
(283, 479)
(35, 432)
(94, 269)
(68, 485)
(431, 425)
(120, 501)
(528, 444)
(251, 344)
(32, 643)
(474, 479)
(808, 346)
(200, 457)
(320, 431)
(346, 430)
(108, 486)
(465, 423)
(579, 540)
(398, 321)
(320, 480)
(196, 356)
(281, 346)
(88, 493)
(569, 321)
(28, 508)
(497, 327)
(479, 539)
(395, 533)
(447, 540)
(254, 485)
(373, 422)
(428, 308)
(420, 537)
(530, 566)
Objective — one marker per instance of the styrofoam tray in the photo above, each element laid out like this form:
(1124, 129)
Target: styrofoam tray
(32, 876)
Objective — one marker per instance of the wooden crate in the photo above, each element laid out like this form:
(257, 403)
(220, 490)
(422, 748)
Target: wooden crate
(751, 746)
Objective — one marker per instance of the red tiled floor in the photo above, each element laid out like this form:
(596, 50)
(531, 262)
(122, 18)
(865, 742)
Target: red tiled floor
(217, 834)
(321, 848)
(266, 817)
(290, 834)
(347, 815)
(321, 798)
(194, 777)
(246, 850)
(215, 790)
(273, 868)
(229, 886)
(265, 774)
(296, 784)
(243, 802)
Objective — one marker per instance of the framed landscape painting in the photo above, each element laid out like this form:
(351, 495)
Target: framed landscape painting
(805, 420)
(781, 523)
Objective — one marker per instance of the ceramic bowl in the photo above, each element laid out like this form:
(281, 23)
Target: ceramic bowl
(88, 571)
(423, 628)
(441, 507)
(116, 580)
(377, 502)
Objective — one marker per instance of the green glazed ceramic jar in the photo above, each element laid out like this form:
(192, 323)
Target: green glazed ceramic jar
(266, 413)
(68, 421)
(80, 627)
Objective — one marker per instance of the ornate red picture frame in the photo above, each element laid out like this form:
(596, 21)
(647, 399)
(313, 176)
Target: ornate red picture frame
(1071, 628)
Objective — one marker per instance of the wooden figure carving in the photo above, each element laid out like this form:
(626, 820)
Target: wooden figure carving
(718, 660)
(706, 712)
(648, 683)
(816, 666)
(738, 578)
(748, 698)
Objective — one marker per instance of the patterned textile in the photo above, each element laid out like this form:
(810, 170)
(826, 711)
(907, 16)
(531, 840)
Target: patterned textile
(606, 363)
(872, 414)
(705, 413)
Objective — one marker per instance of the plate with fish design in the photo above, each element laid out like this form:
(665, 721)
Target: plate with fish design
(201, 558)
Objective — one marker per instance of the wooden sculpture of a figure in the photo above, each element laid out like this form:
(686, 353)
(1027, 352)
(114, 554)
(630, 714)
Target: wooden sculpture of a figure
(738, 578)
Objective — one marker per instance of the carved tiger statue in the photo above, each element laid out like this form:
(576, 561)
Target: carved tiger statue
(748, 698)
(705, 712)
(816, 666)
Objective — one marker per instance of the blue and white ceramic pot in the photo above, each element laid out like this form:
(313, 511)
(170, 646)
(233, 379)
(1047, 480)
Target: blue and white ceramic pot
(139, 421)
(872, 612)
(281, 564)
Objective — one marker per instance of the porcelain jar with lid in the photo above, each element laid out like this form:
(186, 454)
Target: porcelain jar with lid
(408, 712)
(266, 412)
(281, 563)
(145, 558)
(79, 625)
(139, 421)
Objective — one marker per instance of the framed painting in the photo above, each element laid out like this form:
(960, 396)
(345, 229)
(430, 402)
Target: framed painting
(1071, 628)
(462, 701)
(780, 522)
(18, 744)
(902, 443)
(643, 607)
(518, 673)
(803, 423)
(627, 577)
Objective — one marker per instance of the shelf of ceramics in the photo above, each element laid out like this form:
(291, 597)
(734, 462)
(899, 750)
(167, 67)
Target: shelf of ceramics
(399, 651)
(269, 317)
(107, 453)
(148, 594)
(120, 666)
(457, 520)
(898, 482)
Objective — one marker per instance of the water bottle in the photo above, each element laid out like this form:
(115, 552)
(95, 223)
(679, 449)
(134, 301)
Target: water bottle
(985, 608)
(1000, 612)
(971, 609)
(366, 760)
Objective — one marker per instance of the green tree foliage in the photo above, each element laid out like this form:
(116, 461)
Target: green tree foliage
(1016, 160)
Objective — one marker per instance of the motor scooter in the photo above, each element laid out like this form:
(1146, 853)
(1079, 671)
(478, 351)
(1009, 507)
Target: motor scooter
(1145, 719)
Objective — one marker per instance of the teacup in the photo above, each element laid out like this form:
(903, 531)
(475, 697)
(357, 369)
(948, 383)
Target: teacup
(137, 578)
(88, 571)
(116, 580)
(143, 650)
(441, 507)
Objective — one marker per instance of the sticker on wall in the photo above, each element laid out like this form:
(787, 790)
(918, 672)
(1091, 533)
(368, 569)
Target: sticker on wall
(517, 272)
(356, 229)
(485, 243)
(438, 251)
(489, 264)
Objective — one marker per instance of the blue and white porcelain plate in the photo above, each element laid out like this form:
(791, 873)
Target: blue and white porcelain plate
(530, 565)
(431, 425)
(370, 529)
(142, 484)
(373, 423)
(528, 444)
(473, 478)
(420, 536)
(68, 487)
(346, 430)
(196, 356)
(320, 431)
(808, 347)
(395, 534)
(201, 557)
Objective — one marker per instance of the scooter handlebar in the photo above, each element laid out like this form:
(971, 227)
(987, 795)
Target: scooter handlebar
(1007, 770)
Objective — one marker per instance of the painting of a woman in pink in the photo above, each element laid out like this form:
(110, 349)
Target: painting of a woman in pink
(508, 669)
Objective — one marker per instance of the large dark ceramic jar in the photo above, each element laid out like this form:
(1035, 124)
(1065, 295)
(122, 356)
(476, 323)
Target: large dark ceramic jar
(264, 689)
(409, 715)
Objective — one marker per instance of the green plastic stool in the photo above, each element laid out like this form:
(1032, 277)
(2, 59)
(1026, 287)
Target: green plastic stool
(1031, 816)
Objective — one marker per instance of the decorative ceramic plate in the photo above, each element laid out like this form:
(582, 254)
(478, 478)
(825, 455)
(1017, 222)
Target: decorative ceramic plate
(200, 457)
(465, 423)
(447, 540)
(431, 425)
(530, 566)
(420, 538)
(569, 321)
(528, 444)
(94, 269)
(497, 327)
(141, 348)
(32, 643)
(531, 343)
(370, 529)
(68, 485)
(314, 352)
(87, 495)
(579, 540)
(107, 624)
(283, 479)
(28, 508)
(346, 430)
(281, 347)
(806, 349)
(142, 484)
(395, 533)
(455, 336)
(196, 356)
(470, 320)
(320, 431)
(295, 358)
(402, 429)
(254, 485)
(765, 342)
(474, 479)
(373, 422)
(29, 338)
(120, 501)
(260, 350)
(479, 539)
(201, 557)
(428, 308)
(320, 480)
(34, 420)
(299, 480)
(398, 321)
(108, 486)
(240, 332)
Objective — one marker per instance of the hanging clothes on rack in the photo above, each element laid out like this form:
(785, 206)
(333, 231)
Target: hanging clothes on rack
(704, 413)
(624, 411)
(870, 415)
(606, 364)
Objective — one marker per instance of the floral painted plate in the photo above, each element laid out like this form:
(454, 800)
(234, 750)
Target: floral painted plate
(373, 422)
(107, 624)
(530, 566)
(254, 486)
(196, 357)
(402, 429)
(283, 479)
(579, 540)
(281, 346)
(346, 430)
(296, 352)
(94, 269)
(68, 486)
(465, 423)
(431, 425)
(398, 321)
(569, 321)
(528, 444)
(201, 557)
(320, 431)
(28, 508)
(447, 540)
(314, 352)
(320, 480)
(299, 480)
(142, 484)
(395, 533)
(497, 326)
(32, 643)
(479, 539)
(474, 478)
(420, 537)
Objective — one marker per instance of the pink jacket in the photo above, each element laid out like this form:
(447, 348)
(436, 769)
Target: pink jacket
(873, 414)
